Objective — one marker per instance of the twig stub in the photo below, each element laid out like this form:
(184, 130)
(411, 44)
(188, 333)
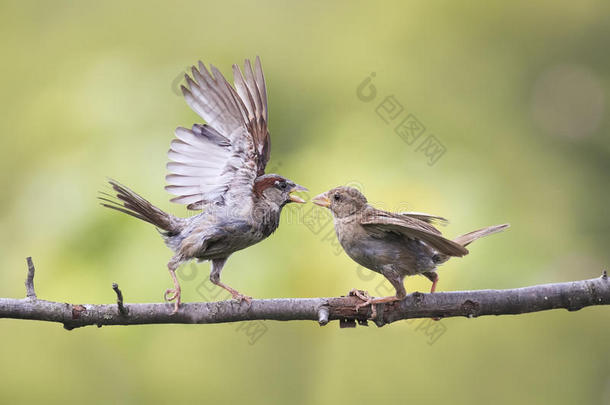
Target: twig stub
(323, 313)
(119, 299)
(29, 281)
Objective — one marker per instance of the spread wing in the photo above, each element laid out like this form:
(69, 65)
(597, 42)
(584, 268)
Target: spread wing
(380, 222)
(217, 162)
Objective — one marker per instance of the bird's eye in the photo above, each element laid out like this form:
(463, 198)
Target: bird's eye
(283, 185)
(337, 197)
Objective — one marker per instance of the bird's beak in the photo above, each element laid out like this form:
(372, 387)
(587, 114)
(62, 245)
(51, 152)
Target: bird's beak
(295, 198)
(321, 200)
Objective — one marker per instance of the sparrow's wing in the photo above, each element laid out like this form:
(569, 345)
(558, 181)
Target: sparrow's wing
(218, 162)
(378, 222)
(431, 219)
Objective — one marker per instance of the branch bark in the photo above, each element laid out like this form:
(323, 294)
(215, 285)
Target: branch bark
(571, 296)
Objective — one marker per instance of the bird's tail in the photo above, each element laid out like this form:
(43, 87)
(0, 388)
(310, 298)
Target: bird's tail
(470, 237)
(130, 203)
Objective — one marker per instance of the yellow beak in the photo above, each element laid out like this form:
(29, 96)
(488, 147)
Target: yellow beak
(295, 198)
(321, 200)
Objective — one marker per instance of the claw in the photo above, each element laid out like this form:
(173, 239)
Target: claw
(367, 300)
(175, 295)
(241, 298)
(172, 297)
(363, 295)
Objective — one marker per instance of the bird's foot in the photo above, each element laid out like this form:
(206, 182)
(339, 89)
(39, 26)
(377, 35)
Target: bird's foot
(363, 295)
(241, 298)
(175, 296)
(234, 293)
(366, 300)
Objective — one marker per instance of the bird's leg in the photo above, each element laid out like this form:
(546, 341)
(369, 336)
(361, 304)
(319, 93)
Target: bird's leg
(236, 294)
(175, 292)
(432, 276)
(217, 265)
(368, 300)
(401, 293)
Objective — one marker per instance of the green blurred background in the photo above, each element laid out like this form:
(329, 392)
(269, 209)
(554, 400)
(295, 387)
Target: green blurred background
(517, 94)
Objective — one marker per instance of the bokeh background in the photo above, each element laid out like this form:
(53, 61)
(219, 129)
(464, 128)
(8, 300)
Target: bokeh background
(517, 95)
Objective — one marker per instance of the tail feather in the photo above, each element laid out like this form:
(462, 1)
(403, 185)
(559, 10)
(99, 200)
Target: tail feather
(470, 237)
(130, 203)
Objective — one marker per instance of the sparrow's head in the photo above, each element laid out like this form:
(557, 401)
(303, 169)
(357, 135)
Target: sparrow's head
(342, 201)
(277, 189)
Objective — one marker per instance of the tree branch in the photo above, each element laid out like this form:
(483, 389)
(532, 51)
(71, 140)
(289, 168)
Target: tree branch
(571, 296)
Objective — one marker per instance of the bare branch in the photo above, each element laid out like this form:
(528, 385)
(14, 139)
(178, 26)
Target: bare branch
(571, 296)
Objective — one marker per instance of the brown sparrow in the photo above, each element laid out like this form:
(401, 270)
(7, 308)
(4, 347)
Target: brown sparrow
(393, 244)
(219, 168)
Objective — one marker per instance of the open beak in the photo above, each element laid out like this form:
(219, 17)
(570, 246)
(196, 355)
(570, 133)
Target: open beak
(295, 198)
(321, 200)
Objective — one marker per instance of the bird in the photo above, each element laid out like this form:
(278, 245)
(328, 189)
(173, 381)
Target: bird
(217, 168)
(396, 245)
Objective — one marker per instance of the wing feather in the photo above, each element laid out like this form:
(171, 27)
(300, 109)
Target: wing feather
(381, 221)
(209, 85)
(262, 86)
(253, 88)
(219, 161)
(244, 93)
(422, 216)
